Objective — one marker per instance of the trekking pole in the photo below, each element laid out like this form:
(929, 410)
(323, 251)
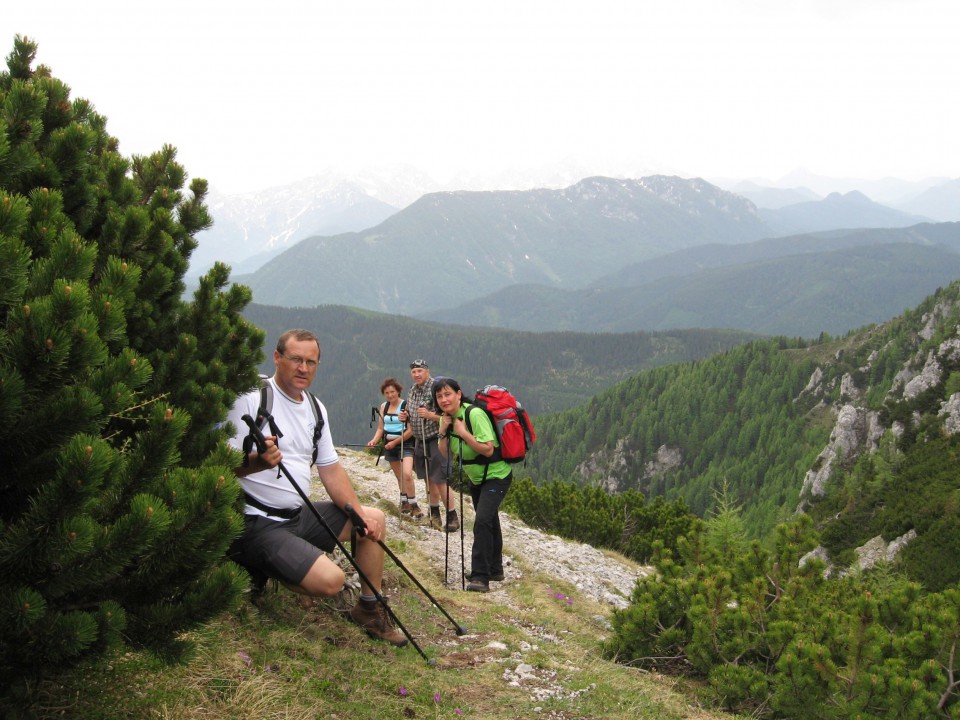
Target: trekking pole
(446, 533)
(426, 469)
(403, 431)
(359, 525)
(463, 521)
(257, 435)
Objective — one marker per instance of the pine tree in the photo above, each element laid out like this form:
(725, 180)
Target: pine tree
(116, 498)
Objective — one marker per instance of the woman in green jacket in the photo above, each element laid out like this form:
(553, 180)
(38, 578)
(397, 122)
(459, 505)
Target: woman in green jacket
(475, 444)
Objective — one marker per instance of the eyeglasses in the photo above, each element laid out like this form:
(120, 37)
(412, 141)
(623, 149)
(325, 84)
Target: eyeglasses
(298, 361)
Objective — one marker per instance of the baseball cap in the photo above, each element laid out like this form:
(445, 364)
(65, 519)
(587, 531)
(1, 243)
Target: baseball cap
(419, 364)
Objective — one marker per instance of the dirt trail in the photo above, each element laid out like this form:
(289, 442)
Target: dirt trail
(604, 576)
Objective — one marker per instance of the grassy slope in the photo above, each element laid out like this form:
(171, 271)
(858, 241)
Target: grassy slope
(280, 661)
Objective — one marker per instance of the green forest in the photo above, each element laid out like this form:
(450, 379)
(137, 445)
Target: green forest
(738, 599)
(547, 371)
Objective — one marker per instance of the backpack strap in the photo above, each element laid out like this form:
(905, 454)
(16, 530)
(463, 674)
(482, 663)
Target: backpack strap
(481, 459)
(317, 423)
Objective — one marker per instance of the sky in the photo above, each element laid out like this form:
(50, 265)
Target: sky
(256, 95)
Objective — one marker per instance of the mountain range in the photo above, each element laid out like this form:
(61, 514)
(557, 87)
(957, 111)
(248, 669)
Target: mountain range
(527, 259)
(251, 228)
(449, 247)
(798, 285)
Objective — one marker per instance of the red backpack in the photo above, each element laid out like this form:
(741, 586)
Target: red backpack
(510, 421)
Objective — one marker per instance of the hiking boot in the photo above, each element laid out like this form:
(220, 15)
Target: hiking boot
(494, 577)
(453, 522)
(481, 586)
(373, 617)
(415, 512)
(405, 508)
(435, 521)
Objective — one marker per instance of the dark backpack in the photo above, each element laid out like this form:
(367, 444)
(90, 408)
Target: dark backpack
(510, 421)
(266, 406)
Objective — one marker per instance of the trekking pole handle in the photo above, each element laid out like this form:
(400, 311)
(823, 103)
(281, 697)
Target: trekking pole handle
(256, 433)
(358, 523)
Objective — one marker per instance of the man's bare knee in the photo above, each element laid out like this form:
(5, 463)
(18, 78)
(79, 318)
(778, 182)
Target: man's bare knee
(324, 579)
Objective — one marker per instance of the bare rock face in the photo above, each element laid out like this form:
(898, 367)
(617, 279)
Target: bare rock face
(604, 467)
(818, 553)
(848, 389)
(929, 377)
(813, 385)
(878, 550)
(951, 408)
(873, 551)
(856, 429)
(668, 458)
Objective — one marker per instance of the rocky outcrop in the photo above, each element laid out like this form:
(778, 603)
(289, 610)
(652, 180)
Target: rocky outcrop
(667, 459)
(848, 388)
(872, 552)
(856, 429)
(930, 376)
(950, 408)
(879, 550)
(605, 467)
(818, 553)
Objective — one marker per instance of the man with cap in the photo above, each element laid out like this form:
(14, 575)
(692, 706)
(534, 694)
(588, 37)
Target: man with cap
(424, 418)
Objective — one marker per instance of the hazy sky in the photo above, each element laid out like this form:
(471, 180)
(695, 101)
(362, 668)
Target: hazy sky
(260, 94)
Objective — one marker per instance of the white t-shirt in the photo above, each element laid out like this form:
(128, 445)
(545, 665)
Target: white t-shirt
(295, 420)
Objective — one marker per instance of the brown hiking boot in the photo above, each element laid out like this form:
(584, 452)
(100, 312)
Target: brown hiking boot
(478, 585)
(435, 521)
(404, 508)
(373, 617)
(415, 512)
(453, 522)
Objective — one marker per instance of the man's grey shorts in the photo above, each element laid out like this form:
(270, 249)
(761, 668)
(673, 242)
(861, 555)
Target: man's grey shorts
(287, 549)
(439, 466)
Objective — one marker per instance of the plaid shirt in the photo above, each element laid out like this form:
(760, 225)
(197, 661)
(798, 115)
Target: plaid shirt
(422, 396)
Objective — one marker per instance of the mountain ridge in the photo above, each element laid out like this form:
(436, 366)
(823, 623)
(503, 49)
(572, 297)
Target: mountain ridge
(730, 286)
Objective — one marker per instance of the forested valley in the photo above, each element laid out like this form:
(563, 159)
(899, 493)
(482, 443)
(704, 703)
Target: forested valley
(755, 481)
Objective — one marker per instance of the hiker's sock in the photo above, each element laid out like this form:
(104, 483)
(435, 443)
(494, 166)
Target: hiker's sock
(369, 598)
(434, 509)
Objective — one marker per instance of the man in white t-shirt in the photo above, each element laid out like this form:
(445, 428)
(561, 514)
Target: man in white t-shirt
(282, 539)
